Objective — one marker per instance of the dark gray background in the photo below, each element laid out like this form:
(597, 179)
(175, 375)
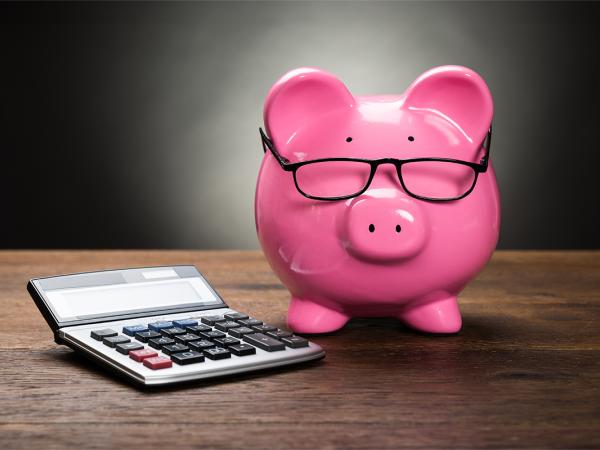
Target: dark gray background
(135, 124)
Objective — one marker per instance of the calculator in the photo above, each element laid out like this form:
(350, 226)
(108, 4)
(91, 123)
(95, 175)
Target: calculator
(161, 325)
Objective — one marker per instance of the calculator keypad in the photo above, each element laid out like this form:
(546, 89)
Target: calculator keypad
(217, 353)
(172, 332)
(158, 362)
(101, 334)
(211, 320)
(158, 343)
(145, 336)
(127, 347)
(183, 323)
(186, 341)
(140, 355)
(132, 329)
(157, 326)
(190, 357)
(112, 341)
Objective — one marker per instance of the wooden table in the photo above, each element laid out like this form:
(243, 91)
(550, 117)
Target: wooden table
(523, 372)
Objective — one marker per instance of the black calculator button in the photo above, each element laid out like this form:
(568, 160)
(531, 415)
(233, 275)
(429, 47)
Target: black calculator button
(295, 341)
(175, 348)
(186, 338)
(211, 320)
(201, 345)
(263, 328)
(278, 334)
(101, 334)
(210, 335)
(171, 332)
(112, 341)
(264, 342)
(217, 353)
(250, 322)
(226, 326)
(190, 357)
(128, 347)
(195, 329)
(145, 336)
(160, 342)
(242, 350)
(241, 331)
(226, 341)
(236, 316)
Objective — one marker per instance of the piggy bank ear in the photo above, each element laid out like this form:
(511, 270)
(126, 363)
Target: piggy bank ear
(301, 96)
(457, 94)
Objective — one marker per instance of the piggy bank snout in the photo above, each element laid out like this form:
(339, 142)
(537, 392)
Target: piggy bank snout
(384, 229)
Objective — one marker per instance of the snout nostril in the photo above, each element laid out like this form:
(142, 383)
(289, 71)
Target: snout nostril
(398, 228)
(371, 228)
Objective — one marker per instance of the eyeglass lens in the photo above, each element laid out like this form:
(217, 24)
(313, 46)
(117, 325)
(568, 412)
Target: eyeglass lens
(430, 179)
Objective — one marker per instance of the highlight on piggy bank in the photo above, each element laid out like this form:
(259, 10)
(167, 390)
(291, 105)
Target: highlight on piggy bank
(378, 205)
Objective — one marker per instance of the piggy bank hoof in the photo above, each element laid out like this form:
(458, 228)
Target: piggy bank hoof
(305, 316)
(440, 317)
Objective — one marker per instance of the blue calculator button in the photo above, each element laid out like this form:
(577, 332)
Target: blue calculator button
(182, 323)
(157, 326)
(132, 329)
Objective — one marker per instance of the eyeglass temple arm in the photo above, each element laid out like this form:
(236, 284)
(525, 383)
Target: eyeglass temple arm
(268, 143)
(486, 144)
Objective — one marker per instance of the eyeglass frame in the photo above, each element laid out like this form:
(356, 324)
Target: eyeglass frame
(288, 166)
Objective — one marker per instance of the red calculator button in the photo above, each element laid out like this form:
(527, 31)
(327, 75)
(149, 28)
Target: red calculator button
(158, 362)
(140, 355)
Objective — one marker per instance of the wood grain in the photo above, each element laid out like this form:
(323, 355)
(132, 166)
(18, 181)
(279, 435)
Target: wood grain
(524, 372)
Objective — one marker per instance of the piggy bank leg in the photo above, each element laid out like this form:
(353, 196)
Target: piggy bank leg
(437, 316)
(305, 316)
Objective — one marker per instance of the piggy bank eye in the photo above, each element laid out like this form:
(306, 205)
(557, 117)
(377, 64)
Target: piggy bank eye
(348, 139)
(411, 138)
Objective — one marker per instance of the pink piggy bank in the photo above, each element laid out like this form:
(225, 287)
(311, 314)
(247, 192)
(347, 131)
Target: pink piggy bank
(377, 205)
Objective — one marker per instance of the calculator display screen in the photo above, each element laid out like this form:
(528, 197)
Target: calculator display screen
(76, 303)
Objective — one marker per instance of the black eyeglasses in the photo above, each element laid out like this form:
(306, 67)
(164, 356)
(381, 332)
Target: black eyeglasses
(430, 179)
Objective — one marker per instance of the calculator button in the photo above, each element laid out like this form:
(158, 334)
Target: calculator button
(225, 326)
(250, 322)
(210, 335)
(236, 316)
(201, 345)
(128, 347)
(278, 334)
(242, 350)
(263, 328)
(132, 329)
(171, 332)
(195, 329)
(264, 342)
(187, 358)
(186, 338)
(101, 334)
(157, 326)
(182, 323)
(226, 341)
(211, 320)
(295, 342)
(112, 341)
(158, 362)
(241, 331)
(175, 348)
(217, 353)
(160, 342)
(140, 355)
(145, 336)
